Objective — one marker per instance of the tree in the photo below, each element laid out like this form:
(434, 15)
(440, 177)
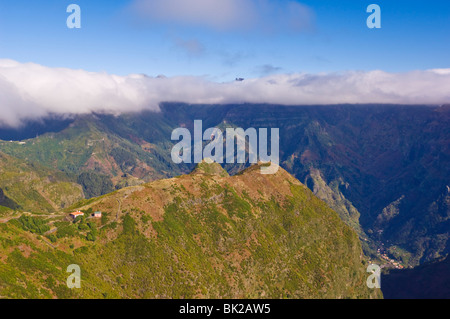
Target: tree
(91, 237)
(95, 184)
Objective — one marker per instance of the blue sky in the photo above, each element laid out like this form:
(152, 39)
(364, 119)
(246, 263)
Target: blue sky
(115, 38)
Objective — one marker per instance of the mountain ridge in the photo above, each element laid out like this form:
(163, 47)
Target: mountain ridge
(244, 236)
(361, 159)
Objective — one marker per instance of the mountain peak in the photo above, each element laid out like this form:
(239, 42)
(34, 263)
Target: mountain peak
(265, 168)
(208, 167)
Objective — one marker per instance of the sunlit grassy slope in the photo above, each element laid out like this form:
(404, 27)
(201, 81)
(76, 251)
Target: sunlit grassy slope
(202, 235)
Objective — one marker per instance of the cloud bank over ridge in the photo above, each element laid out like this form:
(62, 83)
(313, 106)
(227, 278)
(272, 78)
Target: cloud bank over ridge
(31, 91)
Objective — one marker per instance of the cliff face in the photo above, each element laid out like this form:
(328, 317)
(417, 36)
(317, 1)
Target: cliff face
(204, 234)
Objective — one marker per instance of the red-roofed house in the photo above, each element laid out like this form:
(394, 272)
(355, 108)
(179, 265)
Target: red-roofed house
(76, 214)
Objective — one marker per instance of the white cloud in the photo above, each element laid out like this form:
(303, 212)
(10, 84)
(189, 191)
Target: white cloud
(225, 15)
(29, 91)
(441, 71)
(218, 14)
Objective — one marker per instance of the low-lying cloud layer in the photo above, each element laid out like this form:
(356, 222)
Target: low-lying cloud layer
(31, 91)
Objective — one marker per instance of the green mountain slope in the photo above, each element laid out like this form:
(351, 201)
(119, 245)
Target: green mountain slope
(361, 159)
(102, 146)
(383, 168)
(200, 235)
(35, 188)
